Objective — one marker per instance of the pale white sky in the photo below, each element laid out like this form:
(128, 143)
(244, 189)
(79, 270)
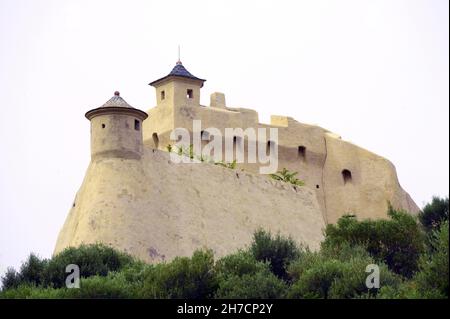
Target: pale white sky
(375, 72)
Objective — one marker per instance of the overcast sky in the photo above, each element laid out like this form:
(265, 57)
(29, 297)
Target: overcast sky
(375, 72)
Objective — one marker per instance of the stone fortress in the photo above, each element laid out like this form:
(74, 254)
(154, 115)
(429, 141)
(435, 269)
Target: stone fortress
(136, 199)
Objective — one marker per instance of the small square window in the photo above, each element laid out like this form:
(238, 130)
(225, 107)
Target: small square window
(163, 95)
(190, 94)
(137, 125)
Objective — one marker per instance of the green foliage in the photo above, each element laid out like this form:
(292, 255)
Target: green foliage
(11, 279)
(97, 259)
(277, 251)
(187, 278)
(31, 291)
(239, 264)
(434, 213)
(169, 148)
(231, 165)
(31, 271)
(434, 267)
(112, 286)
(398, 242)
(240, 275)
(287, 177)
(336, 273)
(271, 267)
(259, 285)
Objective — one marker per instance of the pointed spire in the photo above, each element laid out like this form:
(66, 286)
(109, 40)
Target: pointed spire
(179, 59)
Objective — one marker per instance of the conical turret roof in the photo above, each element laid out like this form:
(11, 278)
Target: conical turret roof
(179, 71)
(116, 105)
(117, 101)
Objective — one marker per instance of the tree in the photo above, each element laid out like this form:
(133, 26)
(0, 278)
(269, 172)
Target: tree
(32, 270)
(240, 275)
(434, 213)
(278, 251)
(398, 242)
(11, 279)
(434, 267)
(186, 278)
(96, 259)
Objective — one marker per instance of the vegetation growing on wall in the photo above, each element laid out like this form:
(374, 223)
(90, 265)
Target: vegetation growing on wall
(288, 177)
(412, 259)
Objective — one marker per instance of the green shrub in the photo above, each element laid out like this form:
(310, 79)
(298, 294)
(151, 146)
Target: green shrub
(434, 213)
(260, 285)
(398, 242)
(112, 286)
(190, 278)
(93, 260)
(30, 291)
(239, 264)
(278, 251)
(335, 273)
(434, 267)
(407, 290)
(32, 270)
(240, 275)
(11, 279)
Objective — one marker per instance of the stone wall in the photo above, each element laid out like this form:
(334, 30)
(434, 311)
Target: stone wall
(156, 210)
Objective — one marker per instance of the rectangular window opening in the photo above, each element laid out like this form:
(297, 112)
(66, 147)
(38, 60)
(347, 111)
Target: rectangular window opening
(163, 95)
(190, 94)
(137, 125)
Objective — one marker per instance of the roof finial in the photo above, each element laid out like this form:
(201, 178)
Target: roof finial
(117, 93)
(179, 59)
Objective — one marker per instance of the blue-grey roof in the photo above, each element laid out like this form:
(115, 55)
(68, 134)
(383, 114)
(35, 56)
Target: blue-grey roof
(180, 71)
(116, 101)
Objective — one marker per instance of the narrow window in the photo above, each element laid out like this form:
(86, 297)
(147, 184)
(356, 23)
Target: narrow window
(103, 125)
(302, 152)
(190, 94)
(137, 125)
(163, 95)
(347, 176)
(155, 140)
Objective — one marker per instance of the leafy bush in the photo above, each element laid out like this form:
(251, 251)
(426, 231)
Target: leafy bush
(336, 274)
(398, 242)
(31, 271)
(239, 264)
(434, 213)
(11, 279)
(260, 285)
(190, 278)
(434, 268)
(240, 275)
(31, 291)
(112, 286)
(278, 251)
(97, 259)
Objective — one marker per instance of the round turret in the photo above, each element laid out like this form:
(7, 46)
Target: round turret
(116, 129)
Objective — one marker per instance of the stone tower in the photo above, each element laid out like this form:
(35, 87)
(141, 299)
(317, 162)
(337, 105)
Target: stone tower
(178, 88)
(116, 130)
